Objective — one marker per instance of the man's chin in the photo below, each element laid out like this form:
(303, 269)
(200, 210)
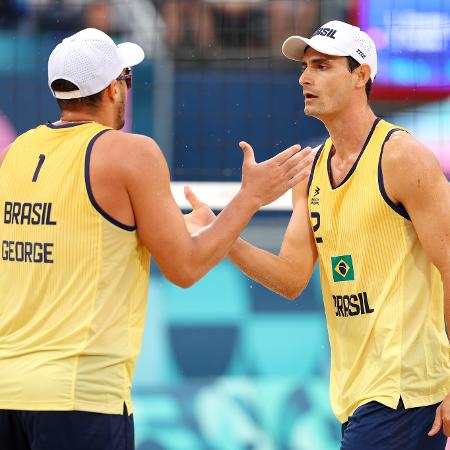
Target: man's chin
(309, 112)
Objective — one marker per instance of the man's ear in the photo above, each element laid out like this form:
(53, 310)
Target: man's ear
(112, 91)
(363, 75)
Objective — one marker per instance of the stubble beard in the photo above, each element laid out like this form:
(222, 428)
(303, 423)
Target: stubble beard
(120, 118)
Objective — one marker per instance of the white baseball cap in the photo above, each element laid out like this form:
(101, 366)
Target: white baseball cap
(338, 39)
(91, 61)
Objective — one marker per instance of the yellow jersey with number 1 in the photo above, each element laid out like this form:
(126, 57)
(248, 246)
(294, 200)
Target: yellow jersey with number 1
(383, 297)
(73, 281)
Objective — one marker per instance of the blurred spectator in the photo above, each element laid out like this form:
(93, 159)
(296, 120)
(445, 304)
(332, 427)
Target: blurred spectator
(212, 23)
(10, 12)
(239, 22)
(98, 14)
(57, 15)
(236, 23)
(187, 22)
(70, 16)
(290, 17)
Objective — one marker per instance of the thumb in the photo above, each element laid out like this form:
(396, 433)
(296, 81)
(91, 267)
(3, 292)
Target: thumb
(249, 156)
(191, 198)
(437, 423)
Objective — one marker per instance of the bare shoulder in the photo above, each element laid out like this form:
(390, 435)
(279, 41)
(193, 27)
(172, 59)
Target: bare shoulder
(403, 153)
(3, 154)
(133, 153)
(134, 145)
(408, 165)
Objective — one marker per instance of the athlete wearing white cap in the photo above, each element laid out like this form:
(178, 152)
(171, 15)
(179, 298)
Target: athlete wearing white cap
(337, 39)
(375, 214)
(83, 205)
(74, 57)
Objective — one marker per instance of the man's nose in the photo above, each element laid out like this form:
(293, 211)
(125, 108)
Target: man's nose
(304, 79)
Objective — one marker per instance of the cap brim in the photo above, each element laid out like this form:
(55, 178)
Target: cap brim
(131, 54)
(294, 48)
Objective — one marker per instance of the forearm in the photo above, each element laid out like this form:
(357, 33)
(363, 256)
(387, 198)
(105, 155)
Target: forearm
(213, 243)
(268, 269)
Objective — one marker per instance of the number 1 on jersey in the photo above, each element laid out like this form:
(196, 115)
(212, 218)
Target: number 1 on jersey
(38, 168)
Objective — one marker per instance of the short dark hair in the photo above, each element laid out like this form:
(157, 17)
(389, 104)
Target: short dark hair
(92, 101)
(352, 65)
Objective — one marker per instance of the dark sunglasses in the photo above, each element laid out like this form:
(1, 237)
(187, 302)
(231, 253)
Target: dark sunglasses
(127, 77)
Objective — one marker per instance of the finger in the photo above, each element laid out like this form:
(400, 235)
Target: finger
(437, 423)
(300, 160)
(305, 163)
(299, 177)
(191, 198)
(283, 156)
(249, 155)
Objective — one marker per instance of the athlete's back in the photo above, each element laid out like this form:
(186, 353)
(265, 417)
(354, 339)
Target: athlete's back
(75, 280)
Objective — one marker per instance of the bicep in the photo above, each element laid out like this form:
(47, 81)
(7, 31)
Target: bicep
(159, 221)
(425, 193)
(429, 209)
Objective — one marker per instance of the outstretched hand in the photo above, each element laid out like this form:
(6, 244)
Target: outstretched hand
(270, 179)
(201, 214)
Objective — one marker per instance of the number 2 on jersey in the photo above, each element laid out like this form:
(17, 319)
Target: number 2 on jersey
(38, 168)
(316, 216)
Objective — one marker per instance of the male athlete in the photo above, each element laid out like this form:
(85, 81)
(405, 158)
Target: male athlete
(376, 213)
(83, 205)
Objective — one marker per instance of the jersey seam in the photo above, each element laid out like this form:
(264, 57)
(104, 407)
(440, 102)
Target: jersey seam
(94, 295)
(402, 310)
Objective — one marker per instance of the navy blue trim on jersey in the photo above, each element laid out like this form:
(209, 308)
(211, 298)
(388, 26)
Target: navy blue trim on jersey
(65, 125)
(313, 168)
(89, 188)
(399, 209)
(355, 164)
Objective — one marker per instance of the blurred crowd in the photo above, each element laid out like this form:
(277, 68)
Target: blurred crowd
(234, 23)
(55, 15)
(203, 24)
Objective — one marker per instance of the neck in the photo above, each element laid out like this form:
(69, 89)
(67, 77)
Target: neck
(72, 116)
(349, 130)
(86, 115)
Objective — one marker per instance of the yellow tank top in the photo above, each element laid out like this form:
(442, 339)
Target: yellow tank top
(383, 297)
(73, 280)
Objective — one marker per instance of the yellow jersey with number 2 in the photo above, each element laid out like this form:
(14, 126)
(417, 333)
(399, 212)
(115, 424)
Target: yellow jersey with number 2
(383, 297)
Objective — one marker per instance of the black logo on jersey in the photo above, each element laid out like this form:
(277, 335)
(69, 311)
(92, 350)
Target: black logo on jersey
(352, 305)
(315, 198)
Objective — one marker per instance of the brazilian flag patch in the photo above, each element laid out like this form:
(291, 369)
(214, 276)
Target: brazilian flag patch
(342, 268)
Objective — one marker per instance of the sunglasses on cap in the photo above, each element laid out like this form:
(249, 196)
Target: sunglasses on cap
(127, 77)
